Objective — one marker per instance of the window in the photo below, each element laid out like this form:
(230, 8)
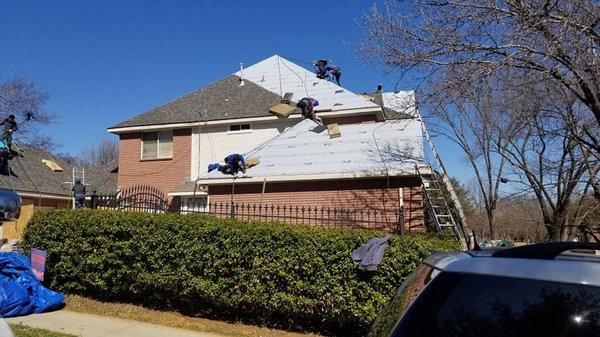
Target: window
(157, 144)
(480, 305)
(194, 205)
(239, 127)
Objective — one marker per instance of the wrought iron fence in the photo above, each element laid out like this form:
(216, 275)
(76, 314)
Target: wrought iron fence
(152, 200)
(139, 198)
(302, 215)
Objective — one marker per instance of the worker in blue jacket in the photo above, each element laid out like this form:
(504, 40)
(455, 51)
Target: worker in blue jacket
(234, 163)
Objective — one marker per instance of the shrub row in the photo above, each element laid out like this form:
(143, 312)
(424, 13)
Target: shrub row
(293, 277)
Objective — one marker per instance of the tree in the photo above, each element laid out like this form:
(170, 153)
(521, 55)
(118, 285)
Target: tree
(556, 40)
(102, 153)
(468, 115)
(26, 100)
(544, 158)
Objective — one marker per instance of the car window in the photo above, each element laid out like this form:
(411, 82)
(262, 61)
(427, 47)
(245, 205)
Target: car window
(404, 297)
(468, 305)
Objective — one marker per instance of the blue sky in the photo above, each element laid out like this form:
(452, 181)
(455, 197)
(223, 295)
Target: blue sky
(106, 61)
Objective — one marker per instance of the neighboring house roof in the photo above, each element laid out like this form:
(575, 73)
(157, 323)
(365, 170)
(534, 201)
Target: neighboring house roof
(305, 152)
(264, 85)
(31, 172)
(102, 179)
(30, 175)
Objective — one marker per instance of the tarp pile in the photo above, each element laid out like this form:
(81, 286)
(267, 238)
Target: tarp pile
(20, 292)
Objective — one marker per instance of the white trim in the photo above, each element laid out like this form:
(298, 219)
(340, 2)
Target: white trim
(337, 113)
(42, 195)
(310, 177)
(186, 194)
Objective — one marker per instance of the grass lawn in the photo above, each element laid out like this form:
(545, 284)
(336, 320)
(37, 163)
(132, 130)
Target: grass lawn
(172, 319)
(23, 331)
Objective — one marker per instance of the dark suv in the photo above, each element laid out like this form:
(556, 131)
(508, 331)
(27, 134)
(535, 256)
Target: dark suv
(550, 290)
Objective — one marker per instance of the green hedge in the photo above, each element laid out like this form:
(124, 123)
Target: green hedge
(293, 277)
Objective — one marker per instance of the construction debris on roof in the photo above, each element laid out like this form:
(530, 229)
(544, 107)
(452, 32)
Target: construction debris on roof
(282, 110)
(250, 162)
(365, 150)
(334, 131)
(53, 165)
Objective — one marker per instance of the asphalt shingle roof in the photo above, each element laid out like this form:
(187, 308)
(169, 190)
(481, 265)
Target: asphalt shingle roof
(30, 174)
(224, 99)
(265, 83)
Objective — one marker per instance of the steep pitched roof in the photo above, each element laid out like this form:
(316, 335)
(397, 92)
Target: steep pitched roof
(264, 84)
(31, 175)
(305, 152)
(224, 99)
(279, 76)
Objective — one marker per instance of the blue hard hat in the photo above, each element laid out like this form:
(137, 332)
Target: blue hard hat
(212, 167)
(314, 102)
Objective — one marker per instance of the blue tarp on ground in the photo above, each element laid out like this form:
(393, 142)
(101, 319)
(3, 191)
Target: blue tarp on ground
(20, 292)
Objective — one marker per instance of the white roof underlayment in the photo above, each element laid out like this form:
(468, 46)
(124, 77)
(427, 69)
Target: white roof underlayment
(305, 152)
(279, 76)
(401, 101)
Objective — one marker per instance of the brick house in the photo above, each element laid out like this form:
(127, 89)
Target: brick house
(171, 146)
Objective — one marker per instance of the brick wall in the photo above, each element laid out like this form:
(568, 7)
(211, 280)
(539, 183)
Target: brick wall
(358, 194)
(162, 173)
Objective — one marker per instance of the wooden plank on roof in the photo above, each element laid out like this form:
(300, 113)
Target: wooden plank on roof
(51, 164)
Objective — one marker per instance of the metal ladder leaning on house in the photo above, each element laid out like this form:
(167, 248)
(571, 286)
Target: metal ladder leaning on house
(436, 204)
(435, 201)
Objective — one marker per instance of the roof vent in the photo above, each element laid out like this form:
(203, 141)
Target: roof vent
(315, 83)
(338, 104)
(263, 78)
(339, 91)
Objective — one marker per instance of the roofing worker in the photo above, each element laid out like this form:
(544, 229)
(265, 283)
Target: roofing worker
(320, 66)
(79, 193)
(334, 72)
(234, 163)
(307, 105)
(327, 70)
(10, 125)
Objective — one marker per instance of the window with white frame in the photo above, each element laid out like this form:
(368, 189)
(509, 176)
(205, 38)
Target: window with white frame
(194, 205)
(157, 144)
(239, 127)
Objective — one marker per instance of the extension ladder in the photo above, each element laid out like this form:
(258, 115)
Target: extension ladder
(436, 204)
(445, 217)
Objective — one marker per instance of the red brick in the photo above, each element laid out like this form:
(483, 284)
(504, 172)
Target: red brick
(164, 174)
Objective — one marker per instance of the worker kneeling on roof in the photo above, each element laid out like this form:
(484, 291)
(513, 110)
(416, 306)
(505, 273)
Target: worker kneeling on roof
(307, 106)
(234, 163)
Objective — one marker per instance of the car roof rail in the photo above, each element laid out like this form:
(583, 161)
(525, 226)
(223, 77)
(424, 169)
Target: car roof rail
(544, 251)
